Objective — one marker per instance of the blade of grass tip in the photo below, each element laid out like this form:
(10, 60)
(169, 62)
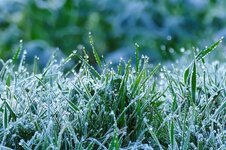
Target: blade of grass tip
(66, 60)
(8, 80)
(206, 51)
(95, 73)
(94, 50)
(119, 68)
(137, 56)
(16, 56)
(193, 82)
(186, 74)
(35, 65)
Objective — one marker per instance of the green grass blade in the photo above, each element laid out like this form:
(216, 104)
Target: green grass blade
(8, 80)
(5, 118)
(114, 145)
(186, 75)
(137, 82)
(172, 135)
(16, 56)
(12, 113)
(35, 66)
(94, 51)
(154, 136)
(150, 75)
(120, 69)
(58, 85)
(95, 73)
(193, 82)
(73, 106)
(137, 57)
(206, 51)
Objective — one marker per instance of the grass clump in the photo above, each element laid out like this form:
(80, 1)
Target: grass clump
(141, 107)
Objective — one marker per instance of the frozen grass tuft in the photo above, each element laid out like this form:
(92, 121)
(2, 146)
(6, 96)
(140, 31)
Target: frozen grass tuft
(141, 107)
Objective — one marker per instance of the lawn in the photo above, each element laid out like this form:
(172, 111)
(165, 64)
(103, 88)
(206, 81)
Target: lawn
(132, 106)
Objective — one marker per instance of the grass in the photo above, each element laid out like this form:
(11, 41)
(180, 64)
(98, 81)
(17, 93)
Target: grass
(141, 107)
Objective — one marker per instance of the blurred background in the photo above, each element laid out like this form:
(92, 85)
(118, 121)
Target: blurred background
(164, 29)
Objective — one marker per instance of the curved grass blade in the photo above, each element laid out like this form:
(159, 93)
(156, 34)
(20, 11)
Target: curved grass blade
(206, 51)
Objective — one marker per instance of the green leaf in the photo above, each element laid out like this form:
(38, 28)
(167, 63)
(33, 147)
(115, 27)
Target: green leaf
(206, 51)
